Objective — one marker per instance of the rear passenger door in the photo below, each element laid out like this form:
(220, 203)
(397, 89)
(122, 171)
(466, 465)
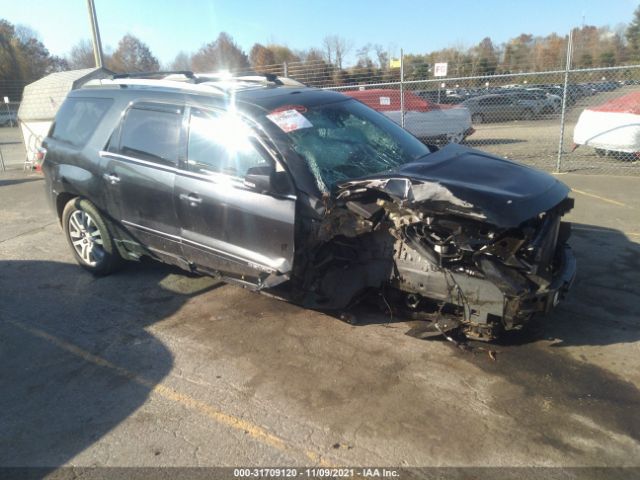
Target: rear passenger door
(139, 174)
(227, 226)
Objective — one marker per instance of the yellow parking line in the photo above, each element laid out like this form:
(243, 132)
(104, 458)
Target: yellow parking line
(254, 431)
(604, 199)
(600, 230)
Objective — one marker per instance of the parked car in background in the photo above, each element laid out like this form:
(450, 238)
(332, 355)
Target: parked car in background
(605, 86)
(442, 97)
(581, 90)
(551, 103)
(612, 128)
(559, 92)
(498, 108)
(535, 102)
(268, 183)
(428, 121)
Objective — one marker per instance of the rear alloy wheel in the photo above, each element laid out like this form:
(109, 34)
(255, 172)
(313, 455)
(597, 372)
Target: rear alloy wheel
(89, 238)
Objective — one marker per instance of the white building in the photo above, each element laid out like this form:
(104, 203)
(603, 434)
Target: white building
(42, 99)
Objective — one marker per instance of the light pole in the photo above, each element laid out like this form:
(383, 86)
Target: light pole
(97, 44)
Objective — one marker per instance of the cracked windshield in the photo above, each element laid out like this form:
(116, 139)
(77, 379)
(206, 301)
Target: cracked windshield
(346, 140)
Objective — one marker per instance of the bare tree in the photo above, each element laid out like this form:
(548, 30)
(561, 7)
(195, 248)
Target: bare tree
(181, 62)
(81, 55)
(382, 55)
(363, 55)
(336, 49)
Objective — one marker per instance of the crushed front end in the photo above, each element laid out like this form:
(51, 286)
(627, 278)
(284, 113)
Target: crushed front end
(496, 278)
(427, 249)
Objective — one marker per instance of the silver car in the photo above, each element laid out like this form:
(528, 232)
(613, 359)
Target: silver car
(498, 108)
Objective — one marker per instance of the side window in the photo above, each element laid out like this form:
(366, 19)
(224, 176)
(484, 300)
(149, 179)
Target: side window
(152, 134)
(221, 143)
(78, 118)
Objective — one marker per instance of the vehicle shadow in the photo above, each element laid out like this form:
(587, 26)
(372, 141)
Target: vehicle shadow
(602, 308)
(18, 181)
(75, 356)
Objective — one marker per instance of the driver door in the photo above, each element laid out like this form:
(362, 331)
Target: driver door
(226, 225)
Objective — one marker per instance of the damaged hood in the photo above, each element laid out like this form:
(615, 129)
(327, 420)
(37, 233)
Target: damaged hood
(463, 181)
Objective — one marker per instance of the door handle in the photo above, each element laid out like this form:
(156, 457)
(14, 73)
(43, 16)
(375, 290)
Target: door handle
(192, 198)
(112, 178)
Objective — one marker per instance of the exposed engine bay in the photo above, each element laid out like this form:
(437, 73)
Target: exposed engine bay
(434, 256)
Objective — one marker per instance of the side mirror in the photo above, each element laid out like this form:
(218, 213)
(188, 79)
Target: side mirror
(258, 178)
(264, 179)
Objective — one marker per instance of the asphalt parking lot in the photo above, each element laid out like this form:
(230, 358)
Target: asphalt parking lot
(153, 367)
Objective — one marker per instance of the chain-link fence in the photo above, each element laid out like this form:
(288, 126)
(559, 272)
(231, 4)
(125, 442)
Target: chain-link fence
(12, 151)
(9, 114)
(585, 121)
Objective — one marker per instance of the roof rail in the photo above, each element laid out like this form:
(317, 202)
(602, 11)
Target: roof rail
(186, 73)
(246, 77)
(269, 78)
(272, 77)
(187, 80)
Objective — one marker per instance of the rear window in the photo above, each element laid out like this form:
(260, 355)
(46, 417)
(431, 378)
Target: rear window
(152, 134)
(78, 118)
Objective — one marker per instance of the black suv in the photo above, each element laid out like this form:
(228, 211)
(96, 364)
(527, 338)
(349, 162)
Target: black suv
(307, 193)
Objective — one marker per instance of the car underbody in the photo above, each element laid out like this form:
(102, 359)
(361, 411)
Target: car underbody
(432, 256)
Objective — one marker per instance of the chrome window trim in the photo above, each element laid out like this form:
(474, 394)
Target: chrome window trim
(236, 182)
(146, 163)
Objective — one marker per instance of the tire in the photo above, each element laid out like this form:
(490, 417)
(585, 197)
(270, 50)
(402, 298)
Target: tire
(454, 137)
(89, 238)
(601, 152)
(477, 118)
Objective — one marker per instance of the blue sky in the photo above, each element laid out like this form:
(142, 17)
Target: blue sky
(418, 26)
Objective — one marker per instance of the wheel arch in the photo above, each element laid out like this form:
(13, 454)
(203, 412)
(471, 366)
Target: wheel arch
(61, 201)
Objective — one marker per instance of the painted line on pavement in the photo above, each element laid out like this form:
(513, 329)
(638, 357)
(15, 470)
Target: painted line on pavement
(254, 431)
(598, 197)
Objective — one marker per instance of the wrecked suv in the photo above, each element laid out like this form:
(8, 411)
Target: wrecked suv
(307, 193)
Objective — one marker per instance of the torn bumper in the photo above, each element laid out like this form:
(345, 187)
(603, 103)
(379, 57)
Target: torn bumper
(518, 310)
(563, 280)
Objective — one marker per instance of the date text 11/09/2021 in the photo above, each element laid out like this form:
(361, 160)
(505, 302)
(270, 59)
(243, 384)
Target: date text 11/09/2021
(315, 473)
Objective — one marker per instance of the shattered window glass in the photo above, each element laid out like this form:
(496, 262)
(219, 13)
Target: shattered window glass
(347, 140)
